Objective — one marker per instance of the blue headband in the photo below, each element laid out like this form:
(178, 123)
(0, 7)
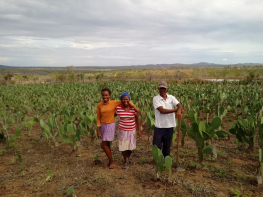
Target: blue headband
(125, 94)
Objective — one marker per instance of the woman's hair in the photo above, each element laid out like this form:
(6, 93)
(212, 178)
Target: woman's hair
(106, 89)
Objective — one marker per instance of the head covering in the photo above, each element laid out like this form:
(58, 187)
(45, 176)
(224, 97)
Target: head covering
(125, 94)
(163, 84)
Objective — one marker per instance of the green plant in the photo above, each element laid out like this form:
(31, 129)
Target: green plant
(96, 156)
(49, 174)
(70, 190)
(19, 157)
(161, 162)
(236, 193)
(192, 164)
(221, 152)
(201, 132)
(222, 173)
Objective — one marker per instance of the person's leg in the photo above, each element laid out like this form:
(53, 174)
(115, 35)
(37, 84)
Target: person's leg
(105, 145)
(167, 140)
(157, 137)
(129, 152)
(125, 156)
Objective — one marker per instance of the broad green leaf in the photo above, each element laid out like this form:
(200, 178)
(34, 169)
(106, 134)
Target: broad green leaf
(208, 149)
(202, 127)
(174, 137)
(18, 132)
(191, 115)
(74, 139)
(65, 138)
(191, 133)
(12, 138)
(221, 134)
(206, 136)
(70, 190)
(233, 131)
(161, 169)
(155, 153)
(160, 161)
(216, 122)
(241, 123)
(70, 129)
(168, 161)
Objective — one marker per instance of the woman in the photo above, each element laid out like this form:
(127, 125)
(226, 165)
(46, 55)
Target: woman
(106, 123)
(127, 128)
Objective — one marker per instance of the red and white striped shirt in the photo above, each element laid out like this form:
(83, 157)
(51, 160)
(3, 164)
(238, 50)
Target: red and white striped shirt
(127, 122)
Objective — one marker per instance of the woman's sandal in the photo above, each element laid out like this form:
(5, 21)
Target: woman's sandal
(124, 166)
(131, 161)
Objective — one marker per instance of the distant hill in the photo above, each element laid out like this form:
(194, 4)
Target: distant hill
(147, 66)
(3, 66)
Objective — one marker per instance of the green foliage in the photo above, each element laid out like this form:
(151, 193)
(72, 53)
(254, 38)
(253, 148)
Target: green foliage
(193, 164)
(237, 193)
(208, 149)
(19, 157)
(96, 156)
(49, 174)
(70, 190)
(67, 111)
(14, 137)
(161, 162)
(201, 132)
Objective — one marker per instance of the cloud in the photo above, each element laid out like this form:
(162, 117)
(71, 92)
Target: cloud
(101, 33)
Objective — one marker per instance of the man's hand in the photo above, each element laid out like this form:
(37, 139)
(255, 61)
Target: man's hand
(179, 114)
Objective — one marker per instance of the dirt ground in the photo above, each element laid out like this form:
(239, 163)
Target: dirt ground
(232, 174)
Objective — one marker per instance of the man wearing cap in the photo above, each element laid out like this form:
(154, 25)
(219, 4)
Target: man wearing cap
(164, 105)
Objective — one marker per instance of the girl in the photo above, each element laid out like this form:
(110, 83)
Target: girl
(127, 127)
(106, 122)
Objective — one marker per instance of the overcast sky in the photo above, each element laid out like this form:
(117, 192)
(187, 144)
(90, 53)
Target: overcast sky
(130, 32)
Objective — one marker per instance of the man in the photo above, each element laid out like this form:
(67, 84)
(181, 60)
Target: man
(164, 105)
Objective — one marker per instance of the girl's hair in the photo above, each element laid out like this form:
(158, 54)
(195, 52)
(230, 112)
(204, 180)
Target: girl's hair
(106, 89)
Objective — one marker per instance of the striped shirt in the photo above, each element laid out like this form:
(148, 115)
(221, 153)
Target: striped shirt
(127, 122)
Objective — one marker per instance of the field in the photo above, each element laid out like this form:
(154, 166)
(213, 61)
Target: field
(130, 73)
(48, 144)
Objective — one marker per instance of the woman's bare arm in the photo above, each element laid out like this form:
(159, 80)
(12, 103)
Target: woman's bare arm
(137, 119)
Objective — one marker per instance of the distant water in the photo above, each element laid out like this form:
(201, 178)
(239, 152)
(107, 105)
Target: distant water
(222, 80)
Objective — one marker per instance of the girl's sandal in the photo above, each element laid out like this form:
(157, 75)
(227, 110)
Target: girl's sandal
(112, 165)
(107, 164)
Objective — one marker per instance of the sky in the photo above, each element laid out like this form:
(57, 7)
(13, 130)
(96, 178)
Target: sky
(130, 32)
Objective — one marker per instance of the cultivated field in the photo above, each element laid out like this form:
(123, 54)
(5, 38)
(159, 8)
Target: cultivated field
(48, 144)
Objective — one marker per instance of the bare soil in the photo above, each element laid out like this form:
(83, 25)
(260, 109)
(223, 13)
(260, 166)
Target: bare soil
(233, 170)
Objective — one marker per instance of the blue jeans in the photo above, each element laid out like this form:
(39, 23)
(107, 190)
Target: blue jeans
(162, 138)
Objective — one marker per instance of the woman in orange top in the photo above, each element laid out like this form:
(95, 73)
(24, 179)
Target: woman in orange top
(106, 123)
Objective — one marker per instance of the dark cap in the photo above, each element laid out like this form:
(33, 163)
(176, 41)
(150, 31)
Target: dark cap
(163, 84)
